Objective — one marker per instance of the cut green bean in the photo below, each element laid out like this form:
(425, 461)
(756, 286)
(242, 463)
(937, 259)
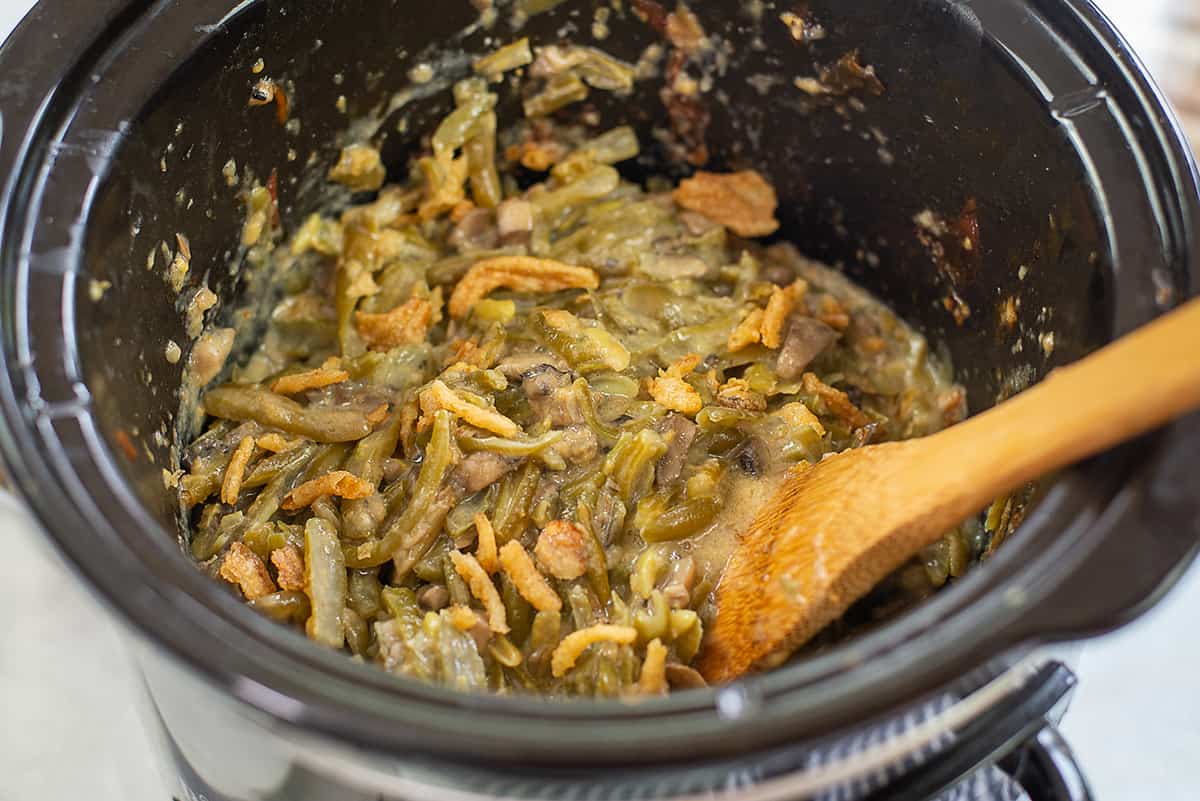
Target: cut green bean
(323, 424)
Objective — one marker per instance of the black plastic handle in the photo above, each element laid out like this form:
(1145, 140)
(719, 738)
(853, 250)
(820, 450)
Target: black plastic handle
(1144, 542)
(1018, 739)
(1047, 770)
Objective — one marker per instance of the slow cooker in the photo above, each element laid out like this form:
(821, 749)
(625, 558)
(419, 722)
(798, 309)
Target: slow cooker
(117, 123)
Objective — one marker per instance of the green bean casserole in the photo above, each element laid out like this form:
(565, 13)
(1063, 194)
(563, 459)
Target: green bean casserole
(510, 411)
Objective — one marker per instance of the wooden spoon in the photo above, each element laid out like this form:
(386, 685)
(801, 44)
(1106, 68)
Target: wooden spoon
(834, 530)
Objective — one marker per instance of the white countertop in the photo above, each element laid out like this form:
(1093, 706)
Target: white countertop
(69, 726)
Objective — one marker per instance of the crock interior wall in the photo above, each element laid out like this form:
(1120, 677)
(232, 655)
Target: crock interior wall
(959, 124)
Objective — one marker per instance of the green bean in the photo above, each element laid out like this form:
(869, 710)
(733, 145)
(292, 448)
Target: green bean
(401, 604)
(588, 350)
(595, 66)
(322, 424)
(597, 567)
(581, 488)
(348, 279)
(285, 606)
(327, 459)
(363, 515)
(503, 651)
(510, 447)
(606, 681)
(215, 531)
(687, 632)
(460, 593)
(401, 368)
(614, 384)
(423, 533)
(195, 489)
(652, 621)
(520, 612)
(607, 435)
(514, 501)
(461, 666)
(711, 418)
(561, 90)
(521, 678)
(364, 592)
(430, 566)
(603, 71)
(647, 570)
(325, 583)
(397, 282)
(267, 469)
(461, 519)
(404, 534)
(631, 462)
(264, 539)
(260, 511)
(326, 508)
(210, 457)
(609, 509)
(544, 636)
(595, 183)
(355, 631)
(394, 494)
(480, 150)
(581, 606)
(509, 57)
(612, 146)
(473, 100)
(685, 519)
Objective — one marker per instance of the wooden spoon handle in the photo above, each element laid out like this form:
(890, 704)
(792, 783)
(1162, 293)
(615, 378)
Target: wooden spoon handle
(1127, 388)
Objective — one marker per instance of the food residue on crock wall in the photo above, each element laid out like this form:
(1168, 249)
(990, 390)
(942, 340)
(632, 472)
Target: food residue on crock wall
(955, 250)
(258, 215)
(97, 288)
(687, 78)
(600, 29)
(208, 355)
(1046, 340)
(421, 73)
(266, 92)
(170, 478)
(844, 77)
(172, 352)
(359, 168)
(180, 263)
(802, 30)
(201, 301)
(1008, 312)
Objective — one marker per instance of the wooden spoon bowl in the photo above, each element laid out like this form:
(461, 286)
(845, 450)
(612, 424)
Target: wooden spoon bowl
(834, 530)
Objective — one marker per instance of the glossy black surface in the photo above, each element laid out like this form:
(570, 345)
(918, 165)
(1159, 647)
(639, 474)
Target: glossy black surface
(1075, 166)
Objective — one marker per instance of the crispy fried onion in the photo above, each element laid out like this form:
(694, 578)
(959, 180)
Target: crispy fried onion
(407, 324)
(672, 391)
(481, 586)
(244, 568)
(520, 274)
(439, 396)
(339, 483)
(531, 584)
(575, 643)
(744, 202)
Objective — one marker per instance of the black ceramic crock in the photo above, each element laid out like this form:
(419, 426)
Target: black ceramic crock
(117, 121)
